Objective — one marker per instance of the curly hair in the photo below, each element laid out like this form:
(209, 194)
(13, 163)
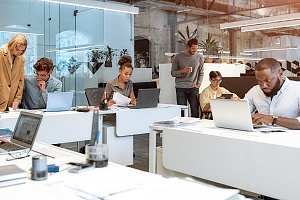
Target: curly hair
(44, 64)
(125, 61)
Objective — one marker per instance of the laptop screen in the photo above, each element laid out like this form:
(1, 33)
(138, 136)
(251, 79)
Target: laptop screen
(26, 128)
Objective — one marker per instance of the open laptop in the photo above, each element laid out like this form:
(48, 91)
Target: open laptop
(59, 101)
(148, 98)
(233, 114)
(23, 135)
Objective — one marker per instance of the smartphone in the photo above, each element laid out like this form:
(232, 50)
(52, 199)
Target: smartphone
(80, 167)
(226, 96)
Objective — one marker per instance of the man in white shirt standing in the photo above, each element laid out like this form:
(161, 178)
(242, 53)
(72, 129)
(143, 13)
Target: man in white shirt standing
(276, 99)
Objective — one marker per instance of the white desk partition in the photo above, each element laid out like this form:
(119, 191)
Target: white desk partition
(137, 121)
(266, 164)
(57, 127)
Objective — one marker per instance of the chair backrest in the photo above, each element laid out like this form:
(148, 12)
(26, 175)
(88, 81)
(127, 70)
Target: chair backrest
(94, 95)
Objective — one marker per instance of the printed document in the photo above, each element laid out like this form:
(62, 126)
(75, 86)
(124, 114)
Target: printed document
(120, 99)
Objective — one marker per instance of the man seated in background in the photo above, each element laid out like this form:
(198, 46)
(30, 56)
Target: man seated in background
(37, 87)
(276, 99)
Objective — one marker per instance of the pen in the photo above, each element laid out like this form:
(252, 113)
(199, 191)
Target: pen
(97, 138)
(272, 131)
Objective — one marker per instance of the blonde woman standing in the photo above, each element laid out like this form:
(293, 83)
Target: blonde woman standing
(12, 72)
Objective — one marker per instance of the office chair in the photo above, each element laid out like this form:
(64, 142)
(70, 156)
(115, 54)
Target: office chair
(94, 95)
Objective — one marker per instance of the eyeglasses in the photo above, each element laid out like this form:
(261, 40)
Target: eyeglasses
(216, 80)
(42, 75)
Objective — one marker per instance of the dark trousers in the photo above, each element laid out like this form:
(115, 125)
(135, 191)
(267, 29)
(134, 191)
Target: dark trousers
(191, 95)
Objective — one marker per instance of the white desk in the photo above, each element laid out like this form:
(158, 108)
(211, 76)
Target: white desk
(57, 127)
(266, 164)
(114, 178)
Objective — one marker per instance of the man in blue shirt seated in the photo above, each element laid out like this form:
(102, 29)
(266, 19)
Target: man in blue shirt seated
(37, 86)
(276, 99)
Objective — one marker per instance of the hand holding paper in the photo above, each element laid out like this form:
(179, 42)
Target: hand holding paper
(121, 99)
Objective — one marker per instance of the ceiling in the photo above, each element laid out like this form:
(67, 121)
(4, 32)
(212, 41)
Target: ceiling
(222, 11)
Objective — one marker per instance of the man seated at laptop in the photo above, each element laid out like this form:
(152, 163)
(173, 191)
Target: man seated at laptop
(276, 99)
(122, 84)
(213, 91)
(37, 87)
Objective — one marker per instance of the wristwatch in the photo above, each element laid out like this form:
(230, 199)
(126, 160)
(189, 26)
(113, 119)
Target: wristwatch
(274, 119)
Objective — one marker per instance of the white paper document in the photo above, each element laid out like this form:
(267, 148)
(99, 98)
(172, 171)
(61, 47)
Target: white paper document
(121, 99)
(178, 121)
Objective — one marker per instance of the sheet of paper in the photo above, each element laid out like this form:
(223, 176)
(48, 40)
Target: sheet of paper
(121, 99)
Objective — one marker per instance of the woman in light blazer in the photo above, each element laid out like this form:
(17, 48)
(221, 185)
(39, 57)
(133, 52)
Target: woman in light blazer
(12, 72)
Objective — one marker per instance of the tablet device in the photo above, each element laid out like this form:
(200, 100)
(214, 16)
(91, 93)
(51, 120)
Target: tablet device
(226, 96)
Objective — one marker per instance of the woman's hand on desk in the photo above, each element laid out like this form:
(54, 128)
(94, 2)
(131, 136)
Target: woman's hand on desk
(133, 101)
(2, 140)
(111, 102)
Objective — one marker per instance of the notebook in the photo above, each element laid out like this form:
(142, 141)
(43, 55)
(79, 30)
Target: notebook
(23, 135)
(59, 101)
(148, 98)
(233, 114)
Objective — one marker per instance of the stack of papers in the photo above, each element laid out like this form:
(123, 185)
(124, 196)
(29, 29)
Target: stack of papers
(11, 175)
(178, 121)
(120, 99)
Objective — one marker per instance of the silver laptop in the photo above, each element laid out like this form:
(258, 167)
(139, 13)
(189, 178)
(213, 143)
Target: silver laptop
(148, 98)
(59, 101)
(233, 114)
(23, 135)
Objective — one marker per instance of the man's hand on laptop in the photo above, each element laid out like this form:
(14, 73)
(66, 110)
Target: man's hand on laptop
(2, 140)
(258, 118)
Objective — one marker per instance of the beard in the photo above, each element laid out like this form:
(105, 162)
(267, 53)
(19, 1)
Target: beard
(191, 52)
(275, 89)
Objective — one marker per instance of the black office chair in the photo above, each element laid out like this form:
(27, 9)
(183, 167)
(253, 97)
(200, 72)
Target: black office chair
(94, 95)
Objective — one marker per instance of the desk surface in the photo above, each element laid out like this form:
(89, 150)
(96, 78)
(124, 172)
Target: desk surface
(262, 163)
(114, 182)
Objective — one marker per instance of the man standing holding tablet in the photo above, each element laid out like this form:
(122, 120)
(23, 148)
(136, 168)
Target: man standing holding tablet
(276, 99)
(36, 87)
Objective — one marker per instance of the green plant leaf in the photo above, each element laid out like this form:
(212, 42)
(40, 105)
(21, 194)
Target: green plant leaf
(181, 34)
(187, 31)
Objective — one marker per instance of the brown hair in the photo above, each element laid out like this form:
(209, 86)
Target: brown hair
(267, 63)
(215, 74)
(191, 42)
(44, 64)
(125, 61)
(17, 40)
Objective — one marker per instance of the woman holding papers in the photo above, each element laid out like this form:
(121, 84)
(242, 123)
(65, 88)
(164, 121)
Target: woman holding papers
(213, 91)
(12, 72)
(122, 84)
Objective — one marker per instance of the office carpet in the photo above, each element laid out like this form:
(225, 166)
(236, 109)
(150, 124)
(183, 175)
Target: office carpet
(141, 150)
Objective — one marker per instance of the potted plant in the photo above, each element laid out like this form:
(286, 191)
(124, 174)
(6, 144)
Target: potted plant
(124, 52)
(95, 60)
(210, 46)
(109, 54)
(183, 39)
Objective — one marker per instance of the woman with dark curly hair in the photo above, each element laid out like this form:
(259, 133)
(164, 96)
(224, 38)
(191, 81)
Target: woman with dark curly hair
(122, 84)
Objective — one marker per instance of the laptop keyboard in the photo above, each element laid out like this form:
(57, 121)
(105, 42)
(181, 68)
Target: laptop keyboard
(10, 147)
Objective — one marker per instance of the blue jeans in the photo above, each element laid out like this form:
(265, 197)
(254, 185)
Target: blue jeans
(191, 95)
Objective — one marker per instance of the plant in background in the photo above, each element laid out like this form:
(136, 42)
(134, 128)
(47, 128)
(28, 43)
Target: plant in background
(96, 55)
(183, 39)
(124, 52)
(109, 54)
(211, 46)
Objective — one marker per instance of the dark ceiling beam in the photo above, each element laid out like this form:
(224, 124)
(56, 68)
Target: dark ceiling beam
(211, 4)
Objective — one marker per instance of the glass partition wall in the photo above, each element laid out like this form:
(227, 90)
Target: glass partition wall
(76, 37)
(66, 34)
